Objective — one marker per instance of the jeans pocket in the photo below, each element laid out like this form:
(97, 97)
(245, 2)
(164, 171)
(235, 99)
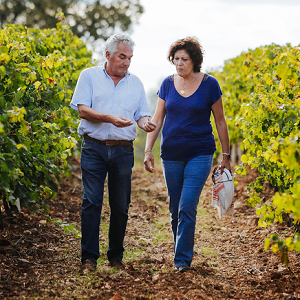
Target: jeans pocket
(127, 149)
(87, 144)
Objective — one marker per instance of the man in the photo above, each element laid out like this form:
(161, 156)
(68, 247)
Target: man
(110, 102)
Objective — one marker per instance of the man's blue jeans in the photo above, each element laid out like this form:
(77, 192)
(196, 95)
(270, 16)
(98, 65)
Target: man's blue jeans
(185, 181)
(97, 161)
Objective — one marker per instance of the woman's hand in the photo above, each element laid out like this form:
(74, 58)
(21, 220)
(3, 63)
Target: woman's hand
(149, 161)
(154, 125)
(225, 163)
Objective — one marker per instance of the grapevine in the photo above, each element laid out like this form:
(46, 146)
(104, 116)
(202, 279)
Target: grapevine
(38, 130)
(262, 104)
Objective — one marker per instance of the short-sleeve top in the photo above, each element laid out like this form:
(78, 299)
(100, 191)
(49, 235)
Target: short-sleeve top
(187, 130)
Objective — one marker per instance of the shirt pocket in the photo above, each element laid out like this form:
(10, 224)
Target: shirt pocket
(130, 103)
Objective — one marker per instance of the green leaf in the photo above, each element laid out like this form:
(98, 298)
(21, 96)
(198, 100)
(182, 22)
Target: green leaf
(2, 71)
(10, 164)
(267, 243)
(61, 96)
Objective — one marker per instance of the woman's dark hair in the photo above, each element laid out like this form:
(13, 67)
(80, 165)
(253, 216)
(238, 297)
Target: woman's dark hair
(192, 47)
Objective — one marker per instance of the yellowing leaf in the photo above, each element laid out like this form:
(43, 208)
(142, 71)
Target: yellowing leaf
(24, 129)
(37, 84)
(267, 243)
(284, 71)
(274, 158)
(244, 158)
(2, 71)
(267, 155)
(4, 58)
(61, 96)
(19, 146)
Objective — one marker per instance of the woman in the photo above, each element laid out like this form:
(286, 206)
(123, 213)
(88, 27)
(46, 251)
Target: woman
(185, 102)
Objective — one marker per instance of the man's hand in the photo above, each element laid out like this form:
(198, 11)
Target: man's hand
(92, 115)
(149, 126)
(146, 124)
(120, 121)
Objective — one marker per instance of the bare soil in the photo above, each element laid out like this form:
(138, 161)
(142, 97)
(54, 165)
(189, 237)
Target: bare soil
(38, 260)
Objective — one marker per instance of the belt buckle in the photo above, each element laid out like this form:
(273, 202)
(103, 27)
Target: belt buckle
(110, 143)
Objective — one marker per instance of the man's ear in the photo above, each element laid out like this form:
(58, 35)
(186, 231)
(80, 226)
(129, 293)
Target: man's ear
(107, 55)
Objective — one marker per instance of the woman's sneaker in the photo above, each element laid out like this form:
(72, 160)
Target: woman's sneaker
(183, 269)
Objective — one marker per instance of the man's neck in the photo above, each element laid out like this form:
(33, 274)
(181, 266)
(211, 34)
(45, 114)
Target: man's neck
(115, 78)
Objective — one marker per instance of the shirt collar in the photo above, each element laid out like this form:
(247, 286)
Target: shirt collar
(104, 70)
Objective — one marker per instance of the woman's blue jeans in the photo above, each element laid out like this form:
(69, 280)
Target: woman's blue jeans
(98, 161)
(185, 181)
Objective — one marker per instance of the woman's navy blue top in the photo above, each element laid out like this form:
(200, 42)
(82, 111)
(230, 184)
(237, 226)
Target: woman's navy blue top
(187, 130)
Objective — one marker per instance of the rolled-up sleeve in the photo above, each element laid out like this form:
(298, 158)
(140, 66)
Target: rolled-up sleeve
(83, 91)
(143, 109)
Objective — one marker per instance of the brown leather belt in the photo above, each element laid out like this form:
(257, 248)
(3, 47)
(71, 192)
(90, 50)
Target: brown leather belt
(110, 142)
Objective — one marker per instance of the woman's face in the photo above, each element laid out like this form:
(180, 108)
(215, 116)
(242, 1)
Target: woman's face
(183, 63)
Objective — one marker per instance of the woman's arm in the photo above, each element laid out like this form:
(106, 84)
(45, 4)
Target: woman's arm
(158, 119)
(222, 130)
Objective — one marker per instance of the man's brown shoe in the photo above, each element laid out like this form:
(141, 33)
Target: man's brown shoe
(87, 266)
(118, 264)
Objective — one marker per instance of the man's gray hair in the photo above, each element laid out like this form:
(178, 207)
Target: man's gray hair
(111, 45)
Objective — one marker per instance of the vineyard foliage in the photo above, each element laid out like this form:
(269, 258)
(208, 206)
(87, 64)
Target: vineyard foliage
(38, 130)
(261, 91)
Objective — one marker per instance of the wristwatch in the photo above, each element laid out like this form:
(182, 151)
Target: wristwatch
(227, 154)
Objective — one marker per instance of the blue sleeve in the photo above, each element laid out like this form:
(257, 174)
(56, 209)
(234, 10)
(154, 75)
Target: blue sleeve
(162, 92)
(83, 91)
(215, 90)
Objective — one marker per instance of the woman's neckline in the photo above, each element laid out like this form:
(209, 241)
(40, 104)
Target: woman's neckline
(204, 78)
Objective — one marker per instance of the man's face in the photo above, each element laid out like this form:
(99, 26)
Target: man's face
(119, 62)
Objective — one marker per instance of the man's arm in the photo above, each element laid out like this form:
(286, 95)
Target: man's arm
(92, 115)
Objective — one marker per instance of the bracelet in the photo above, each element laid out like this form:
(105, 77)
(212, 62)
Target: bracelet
(150, 150)
(227, 154)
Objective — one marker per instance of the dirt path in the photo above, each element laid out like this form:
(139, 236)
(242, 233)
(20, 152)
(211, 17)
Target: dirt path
(39, 260)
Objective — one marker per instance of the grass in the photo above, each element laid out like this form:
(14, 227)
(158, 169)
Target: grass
(165, 212)
(161, 236)
(162, 222)
(132, 254)
(203, 218)
(207, 251)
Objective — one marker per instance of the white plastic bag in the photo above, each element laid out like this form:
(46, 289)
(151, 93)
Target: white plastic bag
(223, 192)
